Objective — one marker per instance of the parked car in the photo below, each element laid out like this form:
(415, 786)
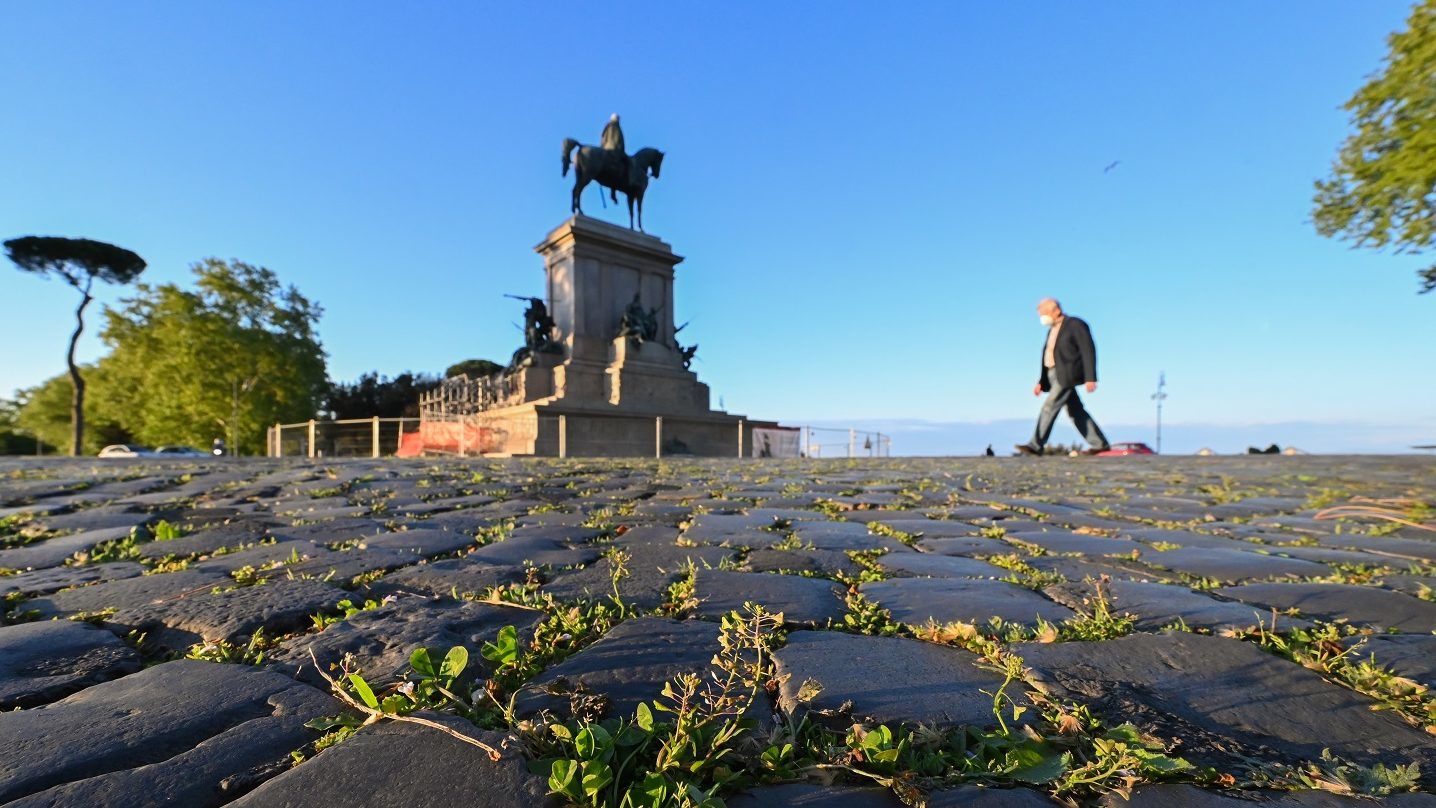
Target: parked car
(1124, 449)
(179, 451)
(126, 450)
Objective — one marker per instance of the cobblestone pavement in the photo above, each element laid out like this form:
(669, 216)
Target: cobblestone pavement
(1045, 631)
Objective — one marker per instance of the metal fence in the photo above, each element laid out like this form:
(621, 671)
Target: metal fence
(821, 441)
(588, 434)
(355, 437)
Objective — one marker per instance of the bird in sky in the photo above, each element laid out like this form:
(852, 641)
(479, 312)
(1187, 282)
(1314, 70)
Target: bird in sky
(1111, 166)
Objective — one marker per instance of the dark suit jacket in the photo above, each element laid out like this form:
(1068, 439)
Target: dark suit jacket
(1075, 354)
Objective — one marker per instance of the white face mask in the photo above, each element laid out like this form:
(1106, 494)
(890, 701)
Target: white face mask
(1045, 319)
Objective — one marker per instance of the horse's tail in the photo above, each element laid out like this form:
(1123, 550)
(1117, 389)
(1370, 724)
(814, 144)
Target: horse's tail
(569, 144)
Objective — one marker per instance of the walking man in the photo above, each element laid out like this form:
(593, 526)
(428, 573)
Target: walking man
(1069, 359)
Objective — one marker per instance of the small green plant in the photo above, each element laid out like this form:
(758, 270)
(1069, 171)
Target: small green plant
(1222, 493)
(345, 609)
(96, 617)
(681, 750)
(428, 686)
(249, 653)
(1326, 497)
(866, 617)
(168, 564)
(791, 542)
(883, 530)
(122, 549)
(250, 575)
(1095, 619)
(11, 611)
(1333, 774)
(1023, 573)
(365, 578)
(680, 598)
(870, 570)
(1334, 650)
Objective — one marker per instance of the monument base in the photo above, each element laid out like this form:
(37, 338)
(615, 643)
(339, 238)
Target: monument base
(605, 377)
(561, 430)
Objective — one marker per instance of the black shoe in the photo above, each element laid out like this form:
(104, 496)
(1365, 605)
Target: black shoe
(1027, 449)
(1096, 451)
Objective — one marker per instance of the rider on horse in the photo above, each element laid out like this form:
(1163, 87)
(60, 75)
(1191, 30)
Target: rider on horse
(612, 141)
(612, 167)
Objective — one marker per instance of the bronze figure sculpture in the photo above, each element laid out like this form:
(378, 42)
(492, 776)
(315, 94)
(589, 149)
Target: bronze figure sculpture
(610, 167)
(637, 323)
(538, 333)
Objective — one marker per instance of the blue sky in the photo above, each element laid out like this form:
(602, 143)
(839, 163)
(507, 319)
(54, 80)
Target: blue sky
(871, 197)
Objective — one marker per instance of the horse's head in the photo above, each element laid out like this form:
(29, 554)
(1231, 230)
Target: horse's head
(650, 158)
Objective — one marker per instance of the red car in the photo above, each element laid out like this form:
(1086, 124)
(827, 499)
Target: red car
(1123, 449)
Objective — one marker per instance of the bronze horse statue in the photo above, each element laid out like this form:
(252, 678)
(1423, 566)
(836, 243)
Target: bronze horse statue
(613, 171)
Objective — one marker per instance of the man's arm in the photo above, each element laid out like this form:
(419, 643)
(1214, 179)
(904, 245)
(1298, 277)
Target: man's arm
(1089, 353)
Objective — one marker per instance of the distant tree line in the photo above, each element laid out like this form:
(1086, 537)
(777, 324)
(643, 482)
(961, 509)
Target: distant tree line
(373, 394)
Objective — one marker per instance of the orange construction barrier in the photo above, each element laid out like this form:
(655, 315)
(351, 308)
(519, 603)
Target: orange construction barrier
(449, 437)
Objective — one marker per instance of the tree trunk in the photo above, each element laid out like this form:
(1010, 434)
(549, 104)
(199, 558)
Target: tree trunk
(77, 401)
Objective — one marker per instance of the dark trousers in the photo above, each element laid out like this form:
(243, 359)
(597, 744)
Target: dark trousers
(1060, 396)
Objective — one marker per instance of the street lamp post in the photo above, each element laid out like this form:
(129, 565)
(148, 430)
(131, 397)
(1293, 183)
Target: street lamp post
(1159, 397)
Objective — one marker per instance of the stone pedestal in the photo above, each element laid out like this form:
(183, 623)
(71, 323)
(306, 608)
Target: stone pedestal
(607, 395)
(593, 270)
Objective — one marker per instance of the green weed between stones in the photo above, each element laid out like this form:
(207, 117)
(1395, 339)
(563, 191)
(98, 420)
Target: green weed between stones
(1023, 573)
(345, 609)
(866, 617)
(123, 549)
(486, 703)
(1334, 650)
(1333, 774)
(12, 612)
(249, 574)
(881, 529)
(871, 569)
(681, 597)
(126, 548)
(684, 749)
(19, 530)
(1064, 748)
(249, 653)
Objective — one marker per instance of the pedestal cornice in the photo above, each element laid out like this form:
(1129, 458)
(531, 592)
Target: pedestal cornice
(583, 228)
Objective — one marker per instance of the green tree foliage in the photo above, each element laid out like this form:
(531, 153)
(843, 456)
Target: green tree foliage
(378, 395)
(79, 262)
(44, 410)
(1382, 188)
(15, 439)
(237, 353)
(473, 368)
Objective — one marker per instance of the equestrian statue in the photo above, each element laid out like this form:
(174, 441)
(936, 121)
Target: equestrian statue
(611, 167)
